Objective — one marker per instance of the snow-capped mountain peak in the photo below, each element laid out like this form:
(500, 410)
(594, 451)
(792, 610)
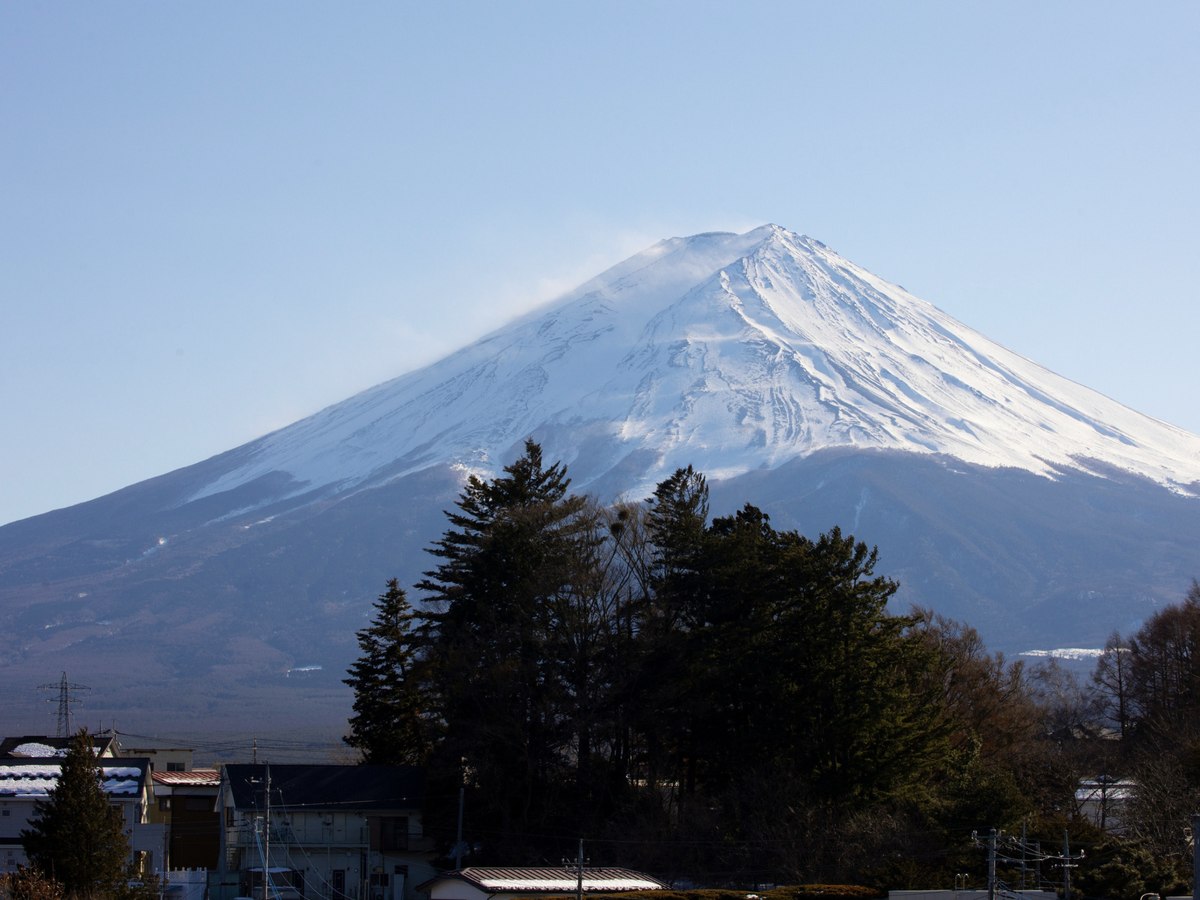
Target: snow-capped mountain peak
(731, 353)
(999, 493)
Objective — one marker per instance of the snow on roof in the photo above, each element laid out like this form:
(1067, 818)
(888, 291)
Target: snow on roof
(40, 750)
(38, 779)
(568, 884)
(554, 880)
(39, 746)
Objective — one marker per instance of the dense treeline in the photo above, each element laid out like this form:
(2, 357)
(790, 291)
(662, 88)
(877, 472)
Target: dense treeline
(715, 699)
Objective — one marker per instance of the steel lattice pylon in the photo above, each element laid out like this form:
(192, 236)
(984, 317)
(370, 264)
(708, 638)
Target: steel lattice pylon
(65, 699)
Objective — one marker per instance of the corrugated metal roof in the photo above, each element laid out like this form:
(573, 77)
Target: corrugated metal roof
(194, 778)
(496, 879)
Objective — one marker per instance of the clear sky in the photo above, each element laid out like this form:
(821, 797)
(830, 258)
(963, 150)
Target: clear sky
(216, 218)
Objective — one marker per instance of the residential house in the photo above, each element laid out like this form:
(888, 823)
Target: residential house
(1102, 801)
(26, 780)
(183, 800)
(328, 832)
(509, 883)
(164, 756)
(186, 802)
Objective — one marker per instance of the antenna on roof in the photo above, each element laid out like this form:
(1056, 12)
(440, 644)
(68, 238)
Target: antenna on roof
(65, 699)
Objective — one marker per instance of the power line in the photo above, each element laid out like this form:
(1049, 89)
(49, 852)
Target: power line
(1014, 851)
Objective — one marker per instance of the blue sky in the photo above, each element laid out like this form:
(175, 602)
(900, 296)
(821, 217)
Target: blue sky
(218, 218)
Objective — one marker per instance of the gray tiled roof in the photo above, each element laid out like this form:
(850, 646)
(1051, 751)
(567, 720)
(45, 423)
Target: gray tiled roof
(328, 787)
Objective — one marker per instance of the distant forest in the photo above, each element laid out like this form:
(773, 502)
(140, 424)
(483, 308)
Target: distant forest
(722, 702)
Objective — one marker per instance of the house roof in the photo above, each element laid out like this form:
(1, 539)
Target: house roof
(36, 778)
(1110, 789)
(141, 745)
(138, 745)
(328, 787)
(41, 746)
(194, 778)
(551, 880)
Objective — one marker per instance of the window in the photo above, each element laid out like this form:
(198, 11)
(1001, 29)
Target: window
(393, 833)
(174, 767)
(164, 803)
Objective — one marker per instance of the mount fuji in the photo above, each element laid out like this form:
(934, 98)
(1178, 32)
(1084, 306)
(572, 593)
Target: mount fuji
(999, 493)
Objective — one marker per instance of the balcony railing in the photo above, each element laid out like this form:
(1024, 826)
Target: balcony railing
(359, 837)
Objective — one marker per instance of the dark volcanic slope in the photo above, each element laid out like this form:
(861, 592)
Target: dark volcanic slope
(211, 624)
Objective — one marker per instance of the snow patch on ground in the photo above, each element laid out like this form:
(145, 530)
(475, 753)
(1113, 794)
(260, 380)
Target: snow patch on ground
(1072, 653)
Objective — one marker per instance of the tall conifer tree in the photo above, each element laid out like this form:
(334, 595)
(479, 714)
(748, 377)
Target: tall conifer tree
(76, 836)
(391, 724)
(510, 558)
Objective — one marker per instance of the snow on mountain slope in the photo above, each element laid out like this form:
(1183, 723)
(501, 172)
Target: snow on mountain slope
(731, 353)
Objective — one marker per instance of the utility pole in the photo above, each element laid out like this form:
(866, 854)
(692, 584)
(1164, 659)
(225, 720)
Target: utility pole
(992, 864)
(1067, 865)
(266, 832)
(1008, 848)
(1024, 849)
(267, 838)
(462, 791)
(1195, 856)
(578, 866)
(458, 843)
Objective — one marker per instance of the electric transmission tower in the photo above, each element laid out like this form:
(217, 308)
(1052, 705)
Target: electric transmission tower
(65, 699)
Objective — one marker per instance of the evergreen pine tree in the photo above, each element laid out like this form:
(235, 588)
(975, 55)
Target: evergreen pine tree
(858, 719)
(664, 700)
(510, 560)
(391, 724)
(676, 523)
(76, 836)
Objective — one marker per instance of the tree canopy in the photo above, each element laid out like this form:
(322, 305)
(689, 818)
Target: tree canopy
(714, 696)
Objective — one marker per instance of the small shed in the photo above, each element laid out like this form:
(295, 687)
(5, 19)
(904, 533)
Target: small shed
(506, 883)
